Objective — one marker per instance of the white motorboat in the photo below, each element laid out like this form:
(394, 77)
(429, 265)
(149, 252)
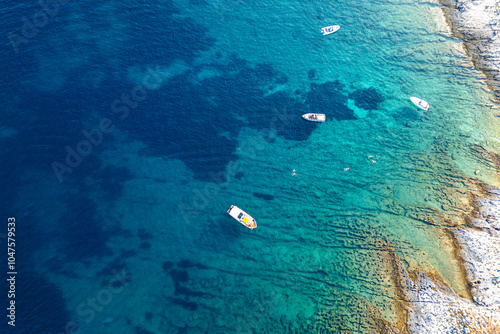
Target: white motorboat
(420, 103)
(329, 30)
(243, 217)
(314, 117)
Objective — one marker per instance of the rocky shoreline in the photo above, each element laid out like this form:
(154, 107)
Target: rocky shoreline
(477, 22)
(432, 306)
(435, 308)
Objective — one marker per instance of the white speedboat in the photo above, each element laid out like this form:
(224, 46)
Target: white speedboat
(420, 103)
(314, 117)
(243, 217)
(329, 30)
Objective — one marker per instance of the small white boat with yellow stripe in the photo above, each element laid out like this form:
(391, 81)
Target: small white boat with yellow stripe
(243, 217)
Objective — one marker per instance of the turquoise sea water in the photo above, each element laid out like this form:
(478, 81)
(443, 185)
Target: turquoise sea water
(136, 238)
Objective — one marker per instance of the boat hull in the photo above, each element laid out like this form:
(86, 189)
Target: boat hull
(312, 117)
(242, 217)
(424, 105)
(329, 30)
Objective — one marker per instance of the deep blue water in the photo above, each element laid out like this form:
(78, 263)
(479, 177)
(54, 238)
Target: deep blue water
(87, 64)
(47, 121)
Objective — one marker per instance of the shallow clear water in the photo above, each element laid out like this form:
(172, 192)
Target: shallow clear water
(136, 238)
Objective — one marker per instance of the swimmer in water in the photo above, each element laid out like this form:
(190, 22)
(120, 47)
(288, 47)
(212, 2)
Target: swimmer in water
(372, 159)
